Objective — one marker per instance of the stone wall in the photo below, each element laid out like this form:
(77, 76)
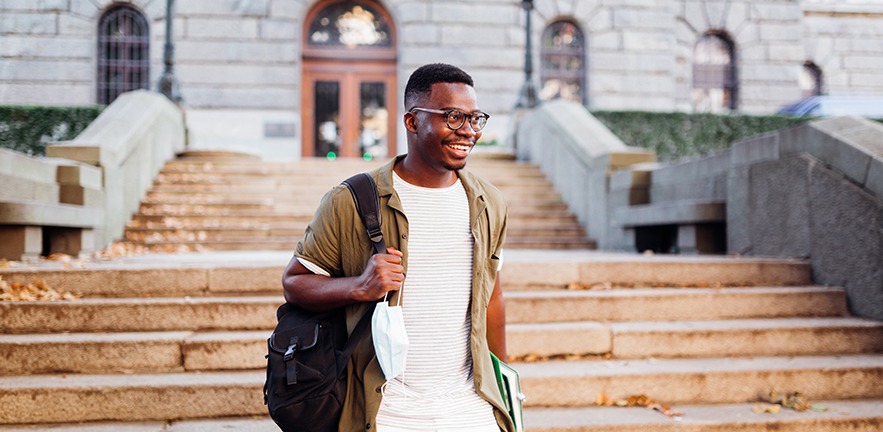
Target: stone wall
(813, 192)
(247, 54)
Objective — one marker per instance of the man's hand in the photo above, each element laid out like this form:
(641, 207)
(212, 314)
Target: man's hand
(384, 273)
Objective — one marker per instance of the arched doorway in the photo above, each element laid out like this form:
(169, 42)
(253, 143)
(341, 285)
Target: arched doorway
(349, 81)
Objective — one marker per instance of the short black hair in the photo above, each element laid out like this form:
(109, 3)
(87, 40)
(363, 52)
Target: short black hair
(421, 80)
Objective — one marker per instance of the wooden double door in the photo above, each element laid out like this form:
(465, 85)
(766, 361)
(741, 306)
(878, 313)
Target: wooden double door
(349, 109)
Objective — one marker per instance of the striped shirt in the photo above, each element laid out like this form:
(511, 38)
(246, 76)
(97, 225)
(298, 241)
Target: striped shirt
(436, 390)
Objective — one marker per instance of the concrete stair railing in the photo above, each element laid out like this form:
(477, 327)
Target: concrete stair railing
(232, 203)
(158, 339)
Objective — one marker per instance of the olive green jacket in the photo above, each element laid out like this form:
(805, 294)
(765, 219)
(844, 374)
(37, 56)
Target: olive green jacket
(336, 241)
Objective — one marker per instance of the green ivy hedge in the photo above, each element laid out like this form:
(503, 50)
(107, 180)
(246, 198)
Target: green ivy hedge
(678, 135)
(27, 129)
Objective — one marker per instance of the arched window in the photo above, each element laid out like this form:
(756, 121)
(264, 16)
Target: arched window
(714, 74)
(123, 52)
(349, 24)
(810, 80)
(563, 70)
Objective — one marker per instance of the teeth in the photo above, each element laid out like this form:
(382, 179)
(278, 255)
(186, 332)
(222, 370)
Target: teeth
(460, 147)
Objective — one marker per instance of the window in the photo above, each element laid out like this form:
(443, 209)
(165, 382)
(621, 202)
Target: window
(810, 80)
(714, 75)
(562, 70)
(349, 24)
(123, 53)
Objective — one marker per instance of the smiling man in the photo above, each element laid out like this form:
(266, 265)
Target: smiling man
(445, 228)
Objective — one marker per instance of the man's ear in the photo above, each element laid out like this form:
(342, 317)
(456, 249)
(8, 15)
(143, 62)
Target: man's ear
(410, 121)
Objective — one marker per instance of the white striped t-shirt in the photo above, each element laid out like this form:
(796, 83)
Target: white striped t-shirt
(436, 390)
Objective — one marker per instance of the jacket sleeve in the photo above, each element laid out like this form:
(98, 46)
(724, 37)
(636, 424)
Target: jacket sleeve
(322, 240)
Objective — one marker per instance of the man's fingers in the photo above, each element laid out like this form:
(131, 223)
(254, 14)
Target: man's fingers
(394, 251)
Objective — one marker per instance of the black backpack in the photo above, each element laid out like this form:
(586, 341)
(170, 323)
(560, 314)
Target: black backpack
(308, 351)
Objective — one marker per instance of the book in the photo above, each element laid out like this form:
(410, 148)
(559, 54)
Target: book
(510, 389)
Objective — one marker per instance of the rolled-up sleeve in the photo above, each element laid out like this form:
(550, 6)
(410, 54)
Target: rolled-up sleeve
(321, 243)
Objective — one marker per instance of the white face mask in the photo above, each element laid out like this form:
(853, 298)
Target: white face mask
(390, 339)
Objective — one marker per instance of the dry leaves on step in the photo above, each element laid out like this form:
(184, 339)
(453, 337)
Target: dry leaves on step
(36, 291)
(536, 358)
(795, 401)
(640, 400)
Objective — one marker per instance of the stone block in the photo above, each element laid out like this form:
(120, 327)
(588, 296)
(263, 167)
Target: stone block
(737, 16)
(422, 33)
(843, 156)
(694, 14)
(82, 175)
(648, 41)
(789, 12)
(413, 13)
(778, 206)
(454, 35)
(874, 184)
(51, 48)
(20, 242)
(78, 195)
(606, 40)
(27, 23)
(294, 9)
(252, 8)
(73, 25)
(645, 19)
(279, 29)
(739, 239)
(780, 32)
(847, 240)
(256, 75)
(70, 241)
(221, 28)
(476, 13)
(254, 52)
(870, 80)
(753, 150)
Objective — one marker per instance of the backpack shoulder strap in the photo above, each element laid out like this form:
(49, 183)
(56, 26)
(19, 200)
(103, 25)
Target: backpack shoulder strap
(364, 192)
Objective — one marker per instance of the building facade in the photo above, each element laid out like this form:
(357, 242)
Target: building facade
(300, 78)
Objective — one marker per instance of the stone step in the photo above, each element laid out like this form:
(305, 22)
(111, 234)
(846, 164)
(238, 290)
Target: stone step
(523, 270)
(76, 398)
(206, 351)
(242, 193)
(675, 304)
(701, 381)
(297, 206)
(516, 215)
(682, 339)
(130, 397)
(590, 269)
(841, 416)
(258, 312)
(288, 230)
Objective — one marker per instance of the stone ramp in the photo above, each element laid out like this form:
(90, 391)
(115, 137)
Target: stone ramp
(231, 203)
(708, 334)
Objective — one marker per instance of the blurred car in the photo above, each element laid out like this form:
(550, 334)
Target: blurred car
(825, 106)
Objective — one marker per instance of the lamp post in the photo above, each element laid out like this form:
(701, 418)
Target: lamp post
(528, 96)
(168, 84)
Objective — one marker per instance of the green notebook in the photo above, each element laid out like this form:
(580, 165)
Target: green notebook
(510, 388)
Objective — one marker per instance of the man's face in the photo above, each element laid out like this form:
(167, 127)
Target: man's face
(435, 143)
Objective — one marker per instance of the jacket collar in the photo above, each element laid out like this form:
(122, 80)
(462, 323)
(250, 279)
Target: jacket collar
(385, 187)
(475, 193)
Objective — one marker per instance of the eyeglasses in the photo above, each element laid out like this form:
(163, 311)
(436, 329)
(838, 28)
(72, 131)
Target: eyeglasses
(455, 119)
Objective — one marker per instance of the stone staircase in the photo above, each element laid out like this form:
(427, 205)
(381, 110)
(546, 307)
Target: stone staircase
(237, 203)
(176, 343)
